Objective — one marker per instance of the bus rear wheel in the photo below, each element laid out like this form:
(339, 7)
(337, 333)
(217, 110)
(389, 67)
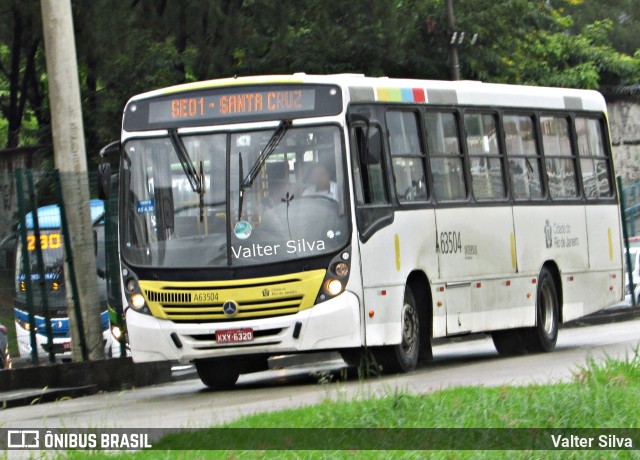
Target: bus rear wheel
(217, 374)
(544, 335)
(404, 356)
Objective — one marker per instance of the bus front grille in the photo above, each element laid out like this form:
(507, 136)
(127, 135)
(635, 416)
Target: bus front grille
(202, 302)
(189, 312)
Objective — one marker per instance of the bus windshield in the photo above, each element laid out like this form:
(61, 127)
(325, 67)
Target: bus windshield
(293, 205)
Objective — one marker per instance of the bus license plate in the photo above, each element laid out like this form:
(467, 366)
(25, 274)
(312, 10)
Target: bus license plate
(234, 335)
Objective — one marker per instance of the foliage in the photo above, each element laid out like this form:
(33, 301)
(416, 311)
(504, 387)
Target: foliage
(133, 46)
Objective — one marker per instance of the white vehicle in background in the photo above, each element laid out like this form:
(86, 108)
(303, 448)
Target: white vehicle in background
(634, 250)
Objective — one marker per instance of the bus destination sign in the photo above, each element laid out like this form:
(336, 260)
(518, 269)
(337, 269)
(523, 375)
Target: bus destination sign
(233, 105)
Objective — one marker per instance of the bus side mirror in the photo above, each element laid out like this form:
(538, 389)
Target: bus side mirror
(104, 181)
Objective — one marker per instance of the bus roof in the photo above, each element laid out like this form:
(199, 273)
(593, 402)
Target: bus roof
(358, 88)
(49, 216)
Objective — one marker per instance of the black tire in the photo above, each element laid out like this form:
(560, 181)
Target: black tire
(404, 356)
(217, 374)
(543, 336)
(351, 356)
(510, 342)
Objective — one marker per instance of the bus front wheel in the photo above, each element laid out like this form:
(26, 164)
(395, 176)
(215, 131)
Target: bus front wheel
(543, 336)
(217, 374)
(404, 356)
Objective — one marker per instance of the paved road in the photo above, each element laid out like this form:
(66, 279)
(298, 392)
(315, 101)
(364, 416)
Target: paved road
(189, 404)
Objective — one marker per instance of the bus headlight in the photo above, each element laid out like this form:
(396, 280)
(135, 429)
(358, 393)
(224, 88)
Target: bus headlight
(333, 287)
(335, 280)
(131, 285)
(341, 269)
(137, 301)
(133, 292)
(116, 332)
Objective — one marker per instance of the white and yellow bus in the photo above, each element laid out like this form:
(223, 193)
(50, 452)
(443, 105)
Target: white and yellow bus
(271, 215)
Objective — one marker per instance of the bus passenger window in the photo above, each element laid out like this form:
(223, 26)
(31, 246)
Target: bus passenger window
(445, 156)
(559, 158)
(484, 156)
(407, 155)
(523, 156)
(594, 162)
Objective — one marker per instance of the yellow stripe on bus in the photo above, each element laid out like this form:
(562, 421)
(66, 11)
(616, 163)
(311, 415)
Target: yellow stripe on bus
(513, 250)
(397, 247)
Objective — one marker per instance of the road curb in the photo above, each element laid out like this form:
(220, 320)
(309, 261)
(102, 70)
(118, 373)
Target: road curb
(78, 379)
(606, 317)
(33, 396)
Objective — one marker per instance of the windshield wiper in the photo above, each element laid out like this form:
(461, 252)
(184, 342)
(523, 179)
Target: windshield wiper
(187, 165)
(247, 182)
(196, 180)
(275, 139)
(241, 187)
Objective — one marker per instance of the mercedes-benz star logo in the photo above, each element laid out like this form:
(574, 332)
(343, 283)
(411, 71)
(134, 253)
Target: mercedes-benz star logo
(230, 308)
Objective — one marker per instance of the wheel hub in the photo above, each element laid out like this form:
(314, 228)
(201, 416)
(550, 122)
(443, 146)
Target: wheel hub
(548, 307)
(409, 328)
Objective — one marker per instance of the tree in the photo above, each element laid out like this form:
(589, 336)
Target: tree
(624, 16)
(20, 67)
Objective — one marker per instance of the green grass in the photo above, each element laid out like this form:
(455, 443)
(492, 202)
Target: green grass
(602, 394)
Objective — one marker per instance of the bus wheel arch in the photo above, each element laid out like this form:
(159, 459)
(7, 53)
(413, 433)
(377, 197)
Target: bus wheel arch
(543, 335)
(415, 327)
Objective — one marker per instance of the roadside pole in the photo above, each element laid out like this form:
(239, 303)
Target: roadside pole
(625, 236)
(454, 63)
(70, 159)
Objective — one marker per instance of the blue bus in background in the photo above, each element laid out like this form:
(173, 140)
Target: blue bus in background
(51, 242)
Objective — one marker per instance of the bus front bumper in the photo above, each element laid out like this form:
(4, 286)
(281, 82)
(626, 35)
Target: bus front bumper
(333, 324)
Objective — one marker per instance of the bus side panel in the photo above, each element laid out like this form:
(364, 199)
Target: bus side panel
(387, 258)
(556, 233)
(475, 244)
(603, 225)
(603, 285)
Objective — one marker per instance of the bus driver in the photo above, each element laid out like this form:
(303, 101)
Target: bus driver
(321, 183)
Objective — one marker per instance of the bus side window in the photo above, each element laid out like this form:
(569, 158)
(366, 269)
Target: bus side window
(446, 158)
(559, 157)
(523, 157)
(485, 159)
(407, 155)
(594, 161)
(373, 207)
